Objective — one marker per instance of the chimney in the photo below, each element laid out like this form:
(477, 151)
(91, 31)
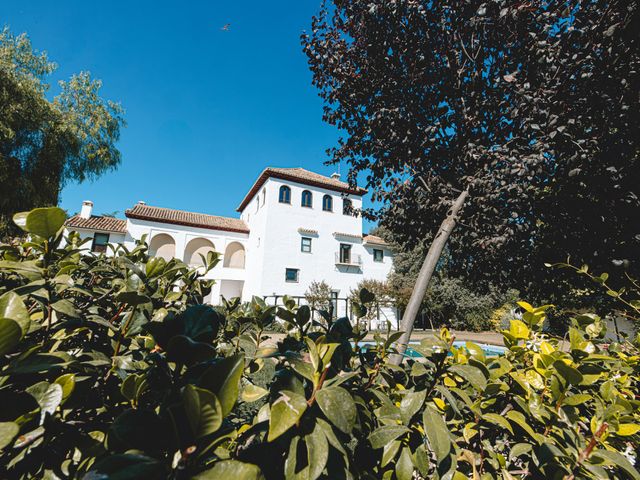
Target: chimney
(87, 206)
(335, 176)
(141, 202)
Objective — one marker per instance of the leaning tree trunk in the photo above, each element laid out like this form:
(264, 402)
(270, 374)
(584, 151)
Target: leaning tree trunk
(424, 277)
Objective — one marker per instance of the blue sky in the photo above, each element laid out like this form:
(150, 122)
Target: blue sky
(206, 109)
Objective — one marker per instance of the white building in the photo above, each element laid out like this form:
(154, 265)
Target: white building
(295, 227)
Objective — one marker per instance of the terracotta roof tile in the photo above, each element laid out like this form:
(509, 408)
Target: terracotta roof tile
(372, 239)
(300, 175)
(190, 219)
(96, 222)
(347, 235)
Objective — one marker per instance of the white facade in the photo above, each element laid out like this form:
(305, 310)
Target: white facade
(255, 261)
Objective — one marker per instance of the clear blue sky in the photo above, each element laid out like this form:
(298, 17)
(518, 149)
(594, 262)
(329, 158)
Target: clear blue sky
(206, 109)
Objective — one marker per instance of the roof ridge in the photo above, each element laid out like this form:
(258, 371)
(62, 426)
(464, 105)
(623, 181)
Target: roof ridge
(183, 211)
(303, 176)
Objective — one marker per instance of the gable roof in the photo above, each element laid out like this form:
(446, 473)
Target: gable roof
(97, 222)
(190, 219)
(303, 176)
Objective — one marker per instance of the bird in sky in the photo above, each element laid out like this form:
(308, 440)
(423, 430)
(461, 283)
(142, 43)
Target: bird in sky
(225, 27)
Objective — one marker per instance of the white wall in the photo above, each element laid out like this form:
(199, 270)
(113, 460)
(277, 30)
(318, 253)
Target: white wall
(277, 225)
(114, 238)
(182, 235)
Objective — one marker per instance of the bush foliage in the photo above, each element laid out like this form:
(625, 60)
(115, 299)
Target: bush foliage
(111, 367)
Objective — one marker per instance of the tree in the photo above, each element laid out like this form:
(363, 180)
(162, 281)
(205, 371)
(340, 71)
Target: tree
(318, 296)
(378, 289)
(45, 144)
(494, 116)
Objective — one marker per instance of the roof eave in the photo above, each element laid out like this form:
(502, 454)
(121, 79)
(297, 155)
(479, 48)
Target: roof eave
(129, 214)
(266, 174)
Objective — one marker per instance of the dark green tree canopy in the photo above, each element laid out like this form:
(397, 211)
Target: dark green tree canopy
(46, 143)
(532, 106)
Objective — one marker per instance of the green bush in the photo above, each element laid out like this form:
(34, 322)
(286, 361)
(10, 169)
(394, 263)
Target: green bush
(111, 367)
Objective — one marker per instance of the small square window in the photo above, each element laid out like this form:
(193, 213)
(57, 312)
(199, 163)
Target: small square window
(378, 255)
(305, 245)
(291, 275)
(100, 242)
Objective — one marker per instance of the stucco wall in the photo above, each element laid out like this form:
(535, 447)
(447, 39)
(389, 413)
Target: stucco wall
(182, 235)
(278, 224)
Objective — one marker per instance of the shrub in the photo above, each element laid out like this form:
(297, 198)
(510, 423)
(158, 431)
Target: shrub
(380, 298)
(318, 296)
(111, 367)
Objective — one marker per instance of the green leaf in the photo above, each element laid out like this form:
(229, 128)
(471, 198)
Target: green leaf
(411, 404)
(68, 384)
(518, 329)
(472, 374)
(128, 466)
(317, 452)
(232, 469)
(48, 395)
(10, 334)
(366, 296)
(338, 406)
(183, 349)
(577, 399)
(616, 459)
(437, 433)
(498, 420)
(568, 373)
(404, 466)
(627, 429)
(358, 309)
(12, 306)
(20, 219)
(138, 429)
(132, 298)
(389, 452)
(203, 410)
(519, 419)
(381, 436)
(303, 315)
(252, 393)
(8, 431)
(65, 307)
(285, 413)
(223, 379)
(44, 222)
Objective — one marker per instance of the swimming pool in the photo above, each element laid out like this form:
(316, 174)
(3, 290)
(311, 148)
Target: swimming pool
(489, 350)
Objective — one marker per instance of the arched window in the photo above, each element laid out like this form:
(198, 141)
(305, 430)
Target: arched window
(195, 248)
(307, 199)
(162, 245)
(285, 194)
(234, 256)
(264, 196)
(327, 203)
(346, 206)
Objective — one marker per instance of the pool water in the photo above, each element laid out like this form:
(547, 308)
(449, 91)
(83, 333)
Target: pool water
(489, 350)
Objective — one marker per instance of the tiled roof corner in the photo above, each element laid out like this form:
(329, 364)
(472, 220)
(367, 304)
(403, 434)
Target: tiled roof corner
(190, 219)
(374, 240)
(303, 176)
(97, 222)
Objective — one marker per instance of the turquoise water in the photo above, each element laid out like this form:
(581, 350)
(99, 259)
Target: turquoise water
(489, 350)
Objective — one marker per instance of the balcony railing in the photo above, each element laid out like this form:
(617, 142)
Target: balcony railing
(350, 259)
